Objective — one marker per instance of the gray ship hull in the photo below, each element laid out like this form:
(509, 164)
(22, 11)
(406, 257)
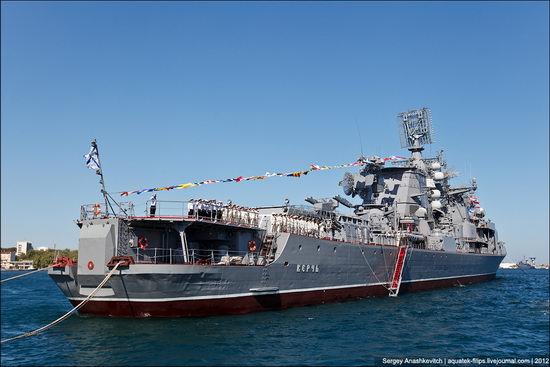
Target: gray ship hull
(308, 271)
(412, 230)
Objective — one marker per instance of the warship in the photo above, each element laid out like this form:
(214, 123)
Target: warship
(402, 228)
(526, 263)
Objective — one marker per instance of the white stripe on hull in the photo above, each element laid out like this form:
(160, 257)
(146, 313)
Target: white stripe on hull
(235, 295)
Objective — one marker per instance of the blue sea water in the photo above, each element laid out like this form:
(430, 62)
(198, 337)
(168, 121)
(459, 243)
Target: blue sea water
(504, 318)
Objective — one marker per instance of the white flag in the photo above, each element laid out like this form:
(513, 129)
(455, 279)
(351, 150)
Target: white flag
(92, 159)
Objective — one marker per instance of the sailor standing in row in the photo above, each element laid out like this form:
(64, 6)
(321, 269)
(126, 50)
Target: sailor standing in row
(153, 205)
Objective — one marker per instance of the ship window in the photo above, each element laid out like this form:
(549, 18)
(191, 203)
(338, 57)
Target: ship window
(362, 251)
(334, 249)
(318, 247)
(286, 263)
(300, 248)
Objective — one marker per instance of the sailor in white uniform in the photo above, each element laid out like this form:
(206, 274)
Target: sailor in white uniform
(153, 205)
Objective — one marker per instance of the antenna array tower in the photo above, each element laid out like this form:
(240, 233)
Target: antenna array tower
(415, 127)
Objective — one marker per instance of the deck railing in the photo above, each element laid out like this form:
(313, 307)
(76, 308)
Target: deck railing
(197, 210)
(298, 220)
(98, 210)
(196, 257)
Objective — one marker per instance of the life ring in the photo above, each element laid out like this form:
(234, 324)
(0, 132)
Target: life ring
(142, 242)
(97, 210)
(252, 245)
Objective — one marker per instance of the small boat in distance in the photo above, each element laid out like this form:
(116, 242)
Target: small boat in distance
(526, 263)
(508, 266)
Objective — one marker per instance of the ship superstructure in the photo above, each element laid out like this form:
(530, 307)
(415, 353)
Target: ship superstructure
(404, 227)
(527, 263)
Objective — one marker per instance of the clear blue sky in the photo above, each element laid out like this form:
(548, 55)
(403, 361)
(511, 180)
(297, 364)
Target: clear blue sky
(177, 92)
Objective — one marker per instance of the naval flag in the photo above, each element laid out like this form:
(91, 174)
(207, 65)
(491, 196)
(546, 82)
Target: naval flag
(92, 159)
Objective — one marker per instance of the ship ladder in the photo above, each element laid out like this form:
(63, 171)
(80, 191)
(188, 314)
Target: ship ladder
(398, 271)
(266, 248)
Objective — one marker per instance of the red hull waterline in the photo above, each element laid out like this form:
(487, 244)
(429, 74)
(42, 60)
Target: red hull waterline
(246, 304)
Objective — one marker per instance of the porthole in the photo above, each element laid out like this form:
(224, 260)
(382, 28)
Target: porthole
(300, 248)
(286, 263)
(374, 252)
(318, 248)
(362, 251)
(334, 249)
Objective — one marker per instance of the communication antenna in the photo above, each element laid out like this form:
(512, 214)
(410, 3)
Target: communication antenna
(360, 138)
(415, 128)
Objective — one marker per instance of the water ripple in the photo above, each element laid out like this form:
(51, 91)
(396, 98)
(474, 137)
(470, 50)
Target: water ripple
(502, 318)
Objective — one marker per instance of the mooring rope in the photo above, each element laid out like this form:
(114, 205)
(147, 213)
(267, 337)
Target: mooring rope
(76, 308)
(22, 275)
(372, 271)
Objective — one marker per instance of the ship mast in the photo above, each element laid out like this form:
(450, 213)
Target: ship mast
(99, 171)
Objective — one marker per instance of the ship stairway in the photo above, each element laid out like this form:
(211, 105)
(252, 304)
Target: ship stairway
(398, 271)
(267, 247)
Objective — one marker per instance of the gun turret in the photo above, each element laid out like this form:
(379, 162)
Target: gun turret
(344, 201)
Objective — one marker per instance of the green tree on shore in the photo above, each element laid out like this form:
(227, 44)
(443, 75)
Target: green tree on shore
(41, 259)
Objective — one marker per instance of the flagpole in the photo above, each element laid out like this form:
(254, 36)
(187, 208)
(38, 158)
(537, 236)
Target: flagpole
(99, 171)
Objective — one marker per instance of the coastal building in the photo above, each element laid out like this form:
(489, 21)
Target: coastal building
(9, 263)
(23, 247)
(42, 248)
(21, 265)
(6, 259)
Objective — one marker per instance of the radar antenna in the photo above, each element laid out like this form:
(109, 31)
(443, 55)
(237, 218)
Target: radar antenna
(415, 128)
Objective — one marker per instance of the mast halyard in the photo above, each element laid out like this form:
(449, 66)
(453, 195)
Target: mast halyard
(106, 196)
(99, 171)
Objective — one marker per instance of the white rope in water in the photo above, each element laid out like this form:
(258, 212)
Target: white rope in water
(53, 323)
(22, 275)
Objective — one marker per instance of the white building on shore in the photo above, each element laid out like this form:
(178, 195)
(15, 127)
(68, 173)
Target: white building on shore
(6, 259)
(9, 263)
(22, 247)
